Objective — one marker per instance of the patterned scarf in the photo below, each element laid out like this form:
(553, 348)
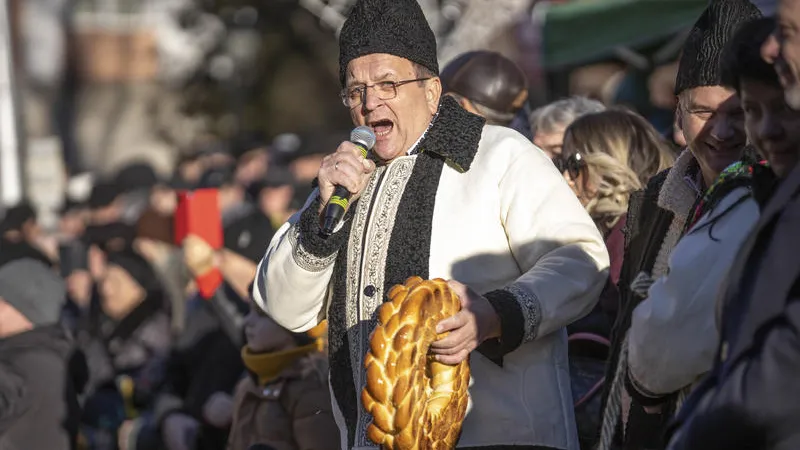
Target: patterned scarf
(737, 174)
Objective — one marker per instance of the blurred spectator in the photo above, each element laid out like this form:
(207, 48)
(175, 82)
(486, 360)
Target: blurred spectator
(215, 154)
(252, 167)
(284, 401)
(38, 392)
(305, 161)
(205, 363)
(276, 195)
(283, 147)
(126, 343)
(136, 176)
(232, 196)
(487, 84)
(188, 170)
(549, 122)
(73, 217)
(103, 202)
(20, 235)
(596, 81)
(607, 156)
(624, 135)
(106, 229)
(74, 267)
(135, 181)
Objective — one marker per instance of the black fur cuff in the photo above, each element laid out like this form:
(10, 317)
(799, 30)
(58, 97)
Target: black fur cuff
(512, 326)
(311, 239)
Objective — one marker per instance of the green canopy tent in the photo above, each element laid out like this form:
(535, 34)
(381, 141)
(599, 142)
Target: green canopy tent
(584, 31)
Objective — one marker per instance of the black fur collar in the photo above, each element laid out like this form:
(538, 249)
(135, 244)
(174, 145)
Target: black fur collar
(454, 134)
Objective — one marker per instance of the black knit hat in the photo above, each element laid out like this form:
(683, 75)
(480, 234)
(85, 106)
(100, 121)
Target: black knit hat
(741, 59)
(396, 27)
(699, 64)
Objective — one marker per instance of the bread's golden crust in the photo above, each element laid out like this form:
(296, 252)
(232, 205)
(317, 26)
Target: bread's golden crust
(416, 403)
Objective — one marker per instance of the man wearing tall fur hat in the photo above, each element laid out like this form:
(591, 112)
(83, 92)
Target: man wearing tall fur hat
(749, 398)
(448, 197)
(712, 121)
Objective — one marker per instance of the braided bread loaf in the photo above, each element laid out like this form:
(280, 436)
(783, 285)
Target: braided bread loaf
(416, 403)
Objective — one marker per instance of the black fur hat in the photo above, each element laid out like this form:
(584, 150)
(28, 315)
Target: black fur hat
(699, 64)
(396, 27)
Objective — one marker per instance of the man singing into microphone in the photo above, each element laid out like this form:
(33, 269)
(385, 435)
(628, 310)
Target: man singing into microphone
(451, 198)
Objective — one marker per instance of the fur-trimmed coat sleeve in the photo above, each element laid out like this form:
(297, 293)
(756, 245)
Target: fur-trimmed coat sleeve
(293, 277)
(558, 248)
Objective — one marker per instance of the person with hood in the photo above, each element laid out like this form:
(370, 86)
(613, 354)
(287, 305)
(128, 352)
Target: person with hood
(711, 118)
(749, 398)
(284, 400)
(38, 388)
(444, 196)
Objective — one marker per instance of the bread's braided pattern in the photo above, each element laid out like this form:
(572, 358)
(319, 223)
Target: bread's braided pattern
(416, 403)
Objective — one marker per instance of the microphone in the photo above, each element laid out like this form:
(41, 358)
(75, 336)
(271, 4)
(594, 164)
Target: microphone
(364, 138)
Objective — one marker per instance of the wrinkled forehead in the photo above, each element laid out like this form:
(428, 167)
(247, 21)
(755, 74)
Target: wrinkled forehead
(378, 67)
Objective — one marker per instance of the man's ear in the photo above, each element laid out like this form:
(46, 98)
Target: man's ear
(433, 93)
(679, 115)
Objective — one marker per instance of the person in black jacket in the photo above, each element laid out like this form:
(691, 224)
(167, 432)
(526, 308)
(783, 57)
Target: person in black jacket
(38, 392)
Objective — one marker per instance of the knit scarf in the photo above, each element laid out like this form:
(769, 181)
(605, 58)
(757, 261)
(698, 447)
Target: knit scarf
(269, 366)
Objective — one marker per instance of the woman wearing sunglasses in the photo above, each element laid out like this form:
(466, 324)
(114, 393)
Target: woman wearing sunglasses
(606, 156)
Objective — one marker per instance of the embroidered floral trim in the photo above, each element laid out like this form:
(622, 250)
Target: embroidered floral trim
(303, 258)
(378, 228)
(737, 171)
(531, 310)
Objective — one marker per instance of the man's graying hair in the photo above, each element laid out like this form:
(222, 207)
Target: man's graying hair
(561, 113)
(422, 71)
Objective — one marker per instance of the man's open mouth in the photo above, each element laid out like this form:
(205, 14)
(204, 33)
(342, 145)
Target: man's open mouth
(382, 127)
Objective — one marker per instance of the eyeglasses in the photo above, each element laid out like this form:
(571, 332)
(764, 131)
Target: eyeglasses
(385, 90)
(572, 165)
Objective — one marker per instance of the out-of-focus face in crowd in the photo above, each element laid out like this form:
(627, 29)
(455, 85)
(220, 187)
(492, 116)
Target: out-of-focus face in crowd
(263, 334)
(549, 122)
(119, 292)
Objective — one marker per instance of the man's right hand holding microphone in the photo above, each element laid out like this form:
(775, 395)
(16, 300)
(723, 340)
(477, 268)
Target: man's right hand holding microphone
(348, 168)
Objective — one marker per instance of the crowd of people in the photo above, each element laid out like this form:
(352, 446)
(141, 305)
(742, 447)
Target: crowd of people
(617, 292)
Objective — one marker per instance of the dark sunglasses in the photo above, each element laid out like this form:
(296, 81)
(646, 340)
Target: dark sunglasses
(572, 165)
